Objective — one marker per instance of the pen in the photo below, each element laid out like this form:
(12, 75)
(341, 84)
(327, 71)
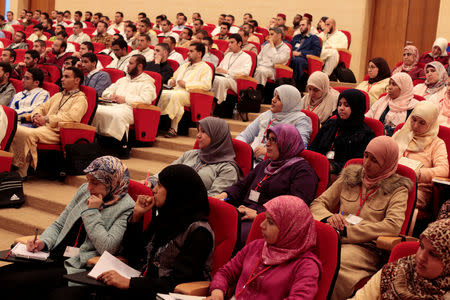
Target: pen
(146, 179)
(7, 255)
(342, 213)
(35, 238)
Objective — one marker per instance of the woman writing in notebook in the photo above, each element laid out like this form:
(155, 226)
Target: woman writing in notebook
(94, 221)
(419, 144)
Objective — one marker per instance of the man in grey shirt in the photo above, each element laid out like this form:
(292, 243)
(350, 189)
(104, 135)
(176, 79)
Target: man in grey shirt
(7, 90)
(19, 41)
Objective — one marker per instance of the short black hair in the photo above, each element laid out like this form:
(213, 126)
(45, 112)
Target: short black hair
(165, 46)
(38, 26)
(223, 15)
(120, 13)
(231, 16)
(77, 73)
(121, 43)
(140, 60)
(204, 32)
(78, 13)
(34, 54)
(162, 17)
(41, 43)
(63, 43)
(133, 27)
(236, 36)
(172, 39)
(210, 40)
(143, 14)
(119, 36)
(89, 45)
(226, 24)
(63, 34)
(49, 21)
(37, 75)
(12, 53)
(249, 14)
(200, 20)
(60, 13)
(73, 59)
(91, 56)
(6, 67)
(249, 26)
(78, 23)
(62, 27)
(103, 22)
(254, 23)
(146, 22)
(146, 36)
(190, 32)
(22, 33)
(198, 14)
(98, 14)
(199, 47)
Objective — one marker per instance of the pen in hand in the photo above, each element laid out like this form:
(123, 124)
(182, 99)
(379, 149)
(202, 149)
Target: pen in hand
(34, 241)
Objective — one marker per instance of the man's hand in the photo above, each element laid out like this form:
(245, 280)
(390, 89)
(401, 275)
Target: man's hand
(158, 58)
(38, 120)
(296, 53)
(117, 98)
(33, 246)
(221, 70)
(181, 83)
(337, 221)
(172, 83)
(215, 295)
(271, 42)
(21, 65)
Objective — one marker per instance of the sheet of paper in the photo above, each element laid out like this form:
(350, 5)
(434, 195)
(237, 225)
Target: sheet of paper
(441, 180)
(109, 262)
(174, 296)
(352, 219)
(20, 250)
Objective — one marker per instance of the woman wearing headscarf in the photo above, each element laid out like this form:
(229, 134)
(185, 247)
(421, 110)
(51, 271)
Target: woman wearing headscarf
(176, 247)
(438, 52)
(214, 160)
(411, 64)
(280, 266)
(395, 107)
(285, 109)
(346, 136)
(418, 141)
(424, 275)
(321, 98)
(363, 203)
(283, 173)
(379, 73)
(94, 221)
(433, 88)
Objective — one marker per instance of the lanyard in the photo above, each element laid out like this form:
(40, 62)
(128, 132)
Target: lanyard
(309, 107)
(251, 277)
(231, 63)
(259, 184)
(332, 144)
(78, 236)
(267, 128)
(62, 104)
(361, 200)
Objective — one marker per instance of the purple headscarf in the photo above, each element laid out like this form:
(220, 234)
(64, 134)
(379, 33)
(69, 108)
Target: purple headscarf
(289, 144)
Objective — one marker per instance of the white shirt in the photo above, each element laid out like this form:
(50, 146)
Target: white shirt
(13, 22)
(139, 89)
(234, 29)
(215, 31)
(8, 27)
(120, 27)
(121, 63)
(237, 63)
(110, 31)
(335, 40)
(174, 55)
(79, 38)
(170, 33)
(70, 48)
(269, 56)
(209, 57)
(148, 53)
(61, 23)
(26, 101)
(33, 37)
(178, 27)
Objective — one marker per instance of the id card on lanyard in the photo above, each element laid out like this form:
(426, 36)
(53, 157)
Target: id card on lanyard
(254, 194)
(73, 251)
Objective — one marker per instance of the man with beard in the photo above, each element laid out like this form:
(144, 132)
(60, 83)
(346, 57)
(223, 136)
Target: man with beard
(185, 37)
(114, 120)
(143, 48)
(130, 36)
(102, 36)
(303, 44)
(296, 23)
(19, 41)
(333, 39)
(39, 46)
(59, 50)
(250, 29)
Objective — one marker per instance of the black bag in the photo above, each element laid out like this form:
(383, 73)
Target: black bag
(11, 190)
(249, 100)
(79, 155)
(343, 74)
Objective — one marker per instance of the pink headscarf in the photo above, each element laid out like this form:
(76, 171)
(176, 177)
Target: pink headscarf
(415, 53)
(385, 150)
(297, 230)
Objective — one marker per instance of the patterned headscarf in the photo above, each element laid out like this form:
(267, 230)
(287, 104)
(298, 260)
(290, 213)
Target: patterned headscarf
(112, 173)
(400, 280)
(440, 84)
(294, 238)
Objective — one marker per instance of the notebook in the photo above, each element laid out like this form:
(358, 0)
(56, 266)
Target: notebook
(20, 250)
(109, 262)
(174, 296)
(410, 163)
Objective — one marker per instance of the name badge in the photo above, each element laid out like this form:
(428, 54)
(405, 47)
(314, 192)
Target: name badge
(352, 219)
(254, 196)
(71, 251)
(297, 45)
(330, 155)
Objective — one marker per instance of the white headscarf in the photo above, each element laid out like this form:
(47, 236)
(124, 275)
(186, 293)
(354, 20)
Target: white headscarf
(443, 44)
(290, 97)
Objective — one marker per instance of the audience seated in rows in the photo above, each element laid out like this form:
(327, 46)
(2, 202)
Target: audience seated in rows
(444, 107)
(378, 81)
(19, 41)
(38, 33)
(332, 39)
(410, 63)
(283, 264)
(70, 105)
(10, 19)
(195, 74)
(321, 98)
(395, 107)
(7, 90)
(6, 24)
(165, 31)
(137, 86)
(418, 141)
(346, 136)
(185, 37)
(143, 48)
(382, 210)
(235, 63)
(214, 161)
(283, 173)
(274, 52)
(94, 221)
(160, 64)
(209, 57)
(303, 44)
(423, 275)
(122, 58)
(245, 44)
(59, 53)
(173, 55)
(78, 35)
(438, 52)
(33, 95)
(433, 88)
(94, 77)
(285, 109)
(31, 60)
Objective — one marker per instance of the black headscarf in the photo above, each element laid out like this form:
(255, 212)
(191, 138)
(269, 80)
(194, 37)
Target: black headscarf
(186, 202)
(383, 69)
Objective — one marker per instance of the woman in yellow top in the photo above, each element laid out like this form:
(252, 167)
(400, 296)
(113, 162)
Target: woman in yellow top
(379, 73)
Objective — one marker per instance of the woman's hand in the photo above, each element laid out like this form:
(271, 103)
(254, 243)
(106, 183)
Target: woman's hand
(248, 213)
(33, 246)
(260, 151)
(215, 295)
(221, 196)
(144, 203)
(337, 221)
(95, 201)
(113, 278)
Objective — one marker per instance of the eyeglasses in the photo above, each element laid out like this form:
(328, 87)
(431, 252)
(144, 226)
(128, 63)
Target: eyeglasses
(271, 140)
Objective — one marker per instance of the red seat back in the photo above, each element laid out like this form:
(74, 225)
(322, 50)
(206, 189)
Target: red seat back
(315, 123)
(257, 45)
(5, 42)
(115, 74)
(340, 89)
(321, 167)
(408, 173)
(91, 96)
(98, 47)
(104, 59)
(50, 87)
(11, 130)
(217, 53)
(328, 250)
(53, 70)
(89, 29)
(18, 85)
(376, 126)
(173, 64)
(158, 83)
(18, 28)
(20, 55)
(349, 37)
(48, 44)
(290, 56)
(254, 58)
(403, 249)
(7, 34)
(183, 51)
(134, 190)
(222, 45)
(77, 46)
(262, 30)
(223, 219)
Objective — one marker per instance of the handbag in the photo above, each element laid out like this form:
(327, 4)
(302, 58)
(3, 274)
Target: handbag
(249, 100)
(79, 155)
(11, 190)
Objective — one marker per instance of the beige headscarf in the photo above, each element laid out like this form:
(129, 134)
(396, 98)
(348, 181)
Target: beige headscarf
(325, 105)
(406, 138)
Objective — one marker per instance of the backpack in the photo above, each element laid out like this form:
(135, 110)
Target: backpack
(11, 190)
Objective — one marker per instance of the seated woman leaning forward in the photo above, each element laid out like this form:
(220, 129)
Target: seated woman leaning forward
(94, 221)
(283, 173)
(422, 150)
(214, 160)
(176, 247)
(424, 275)
(282, 266)
(363, 203)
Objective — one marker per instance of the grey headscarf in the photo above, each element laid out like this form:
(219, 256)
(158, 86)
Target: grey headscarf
(440, 84)
(291, 98)
(221, 147)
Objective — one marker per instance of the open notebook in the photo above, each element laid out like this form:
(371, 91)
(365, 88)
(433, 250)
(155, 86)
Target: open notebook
(109, 262)
(173, 296)
(20, 250)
